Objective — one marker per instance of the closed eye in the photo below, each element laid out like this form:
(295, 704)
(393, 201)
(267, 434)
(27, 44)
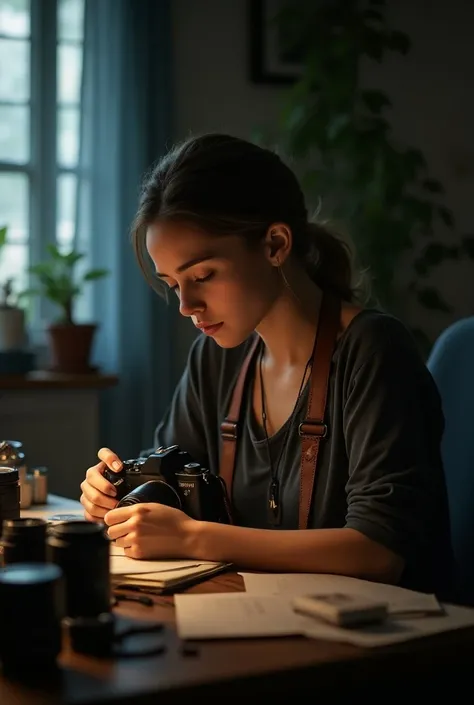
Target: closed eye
(197, 280)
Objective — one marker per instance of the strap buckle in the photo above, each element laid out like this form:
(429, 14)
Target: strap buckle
(229, 430)
(313, 428)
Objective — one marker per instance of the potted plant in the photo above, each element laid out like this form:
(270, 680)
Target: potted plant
(338, 132)
(12, 316)
(70, 342)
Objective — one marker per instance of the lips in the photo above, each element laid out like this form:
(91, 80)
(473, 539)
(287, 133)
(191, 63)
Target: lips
(209, 328)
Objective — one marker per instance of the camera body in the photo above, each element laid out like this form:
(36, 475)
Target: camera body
(170, 476)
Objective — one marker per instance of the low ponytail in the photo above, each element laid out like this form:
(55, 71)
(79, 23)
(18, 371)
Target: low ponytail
(329, 262)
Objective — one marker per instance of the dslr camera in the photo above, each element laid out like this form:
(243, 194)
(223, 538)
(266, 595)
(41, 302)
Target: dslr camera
(170, 476)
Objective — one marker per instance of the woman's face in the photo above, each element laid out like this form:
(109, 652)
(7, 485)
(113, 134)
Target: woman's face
(224, 286)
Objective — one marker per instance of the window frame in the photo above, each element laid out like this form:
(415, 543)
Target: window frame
(42, 169)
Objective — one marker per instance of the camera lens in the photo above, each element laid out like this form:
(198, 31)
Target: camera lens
(31, 609)
(81, 550)
(9, 494)
(152, 491)
(24, 541)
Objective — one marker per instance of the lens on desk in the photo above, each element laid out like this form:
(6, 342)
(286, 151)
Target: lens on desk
(24, 541)
(81, 550)
(9, 494)
(31, 610)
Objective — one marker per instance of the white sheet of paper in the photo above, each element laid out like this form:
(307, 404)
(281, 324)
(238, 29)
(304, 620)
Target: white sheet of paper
(292, 584)
(120, 564)
(240, 615)
(224, 615)
(395, 630)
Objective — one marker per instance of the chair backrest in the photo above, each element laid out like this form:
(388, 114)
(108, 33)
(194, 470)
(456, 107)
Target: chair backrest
(451, 362)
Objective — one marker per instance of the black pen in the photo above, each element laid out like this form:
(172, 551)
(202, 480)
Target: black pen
(142, 599)
(140, 588)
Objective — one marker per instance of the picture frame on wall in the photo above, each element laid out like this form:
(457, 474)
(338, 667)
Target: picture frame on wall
(269, 63)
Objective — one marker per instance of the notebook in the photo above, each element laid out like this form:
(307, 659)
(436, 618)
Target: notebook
(159, 577)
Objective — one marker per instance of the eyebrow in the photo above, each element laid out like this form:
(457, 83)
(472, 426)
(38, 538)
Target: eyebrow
(188, 264)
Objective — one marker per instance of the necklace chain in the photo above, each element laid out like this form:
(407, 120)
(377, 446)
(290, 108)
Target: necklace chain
(274, 504)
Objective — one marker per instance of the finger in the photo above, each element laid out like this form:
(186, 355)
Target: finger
(89, 517)
(126, 541)
(110, 458)
(118, 531)
(133, 551)
(117, 516)
(94, 511)
(95, 477)
(96, 497)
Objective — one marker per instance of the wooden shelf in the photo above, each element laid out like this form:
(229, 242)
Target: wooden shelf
(42, 379)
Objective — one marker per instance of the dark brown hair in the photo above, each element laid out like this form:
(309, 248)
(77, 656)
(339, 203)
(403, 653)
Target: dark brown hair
(226, 185)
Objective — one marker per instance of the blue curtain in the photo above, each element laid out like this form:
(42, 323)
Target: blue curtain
(125, 127)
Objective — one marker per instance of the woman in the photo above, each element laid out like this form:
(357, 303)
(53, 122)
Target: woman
(225, 224)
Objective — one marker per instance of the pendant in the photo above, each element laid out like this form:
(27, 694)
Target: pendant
(274, 506)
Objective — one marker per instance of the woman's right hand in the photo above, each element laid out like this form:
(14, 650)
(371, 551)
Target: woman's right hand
(98, 494)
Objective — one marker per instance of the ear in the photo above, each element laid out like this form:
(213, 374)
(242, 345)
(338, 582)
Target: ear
(277, 243)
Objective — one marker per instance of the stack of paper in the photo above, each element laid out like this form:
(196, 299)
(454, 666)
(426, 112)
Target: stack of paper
(399, 600)
(240, 615)
(266, 610)
(159, 576)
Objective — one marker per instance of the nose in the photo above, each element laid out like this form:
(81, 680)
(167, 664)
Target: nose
(189, 304)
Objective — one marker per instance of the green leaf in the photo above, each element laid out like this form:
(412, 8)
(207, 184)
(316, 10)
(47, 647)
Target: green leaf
(54, 251)
(433, 186)
(72, 258)
(430, 298)
(28, 293)
(435, 253)
(3, 235)
(414, 161)
(375, 100)
(399, 41)
(95, 274)
(446, 216)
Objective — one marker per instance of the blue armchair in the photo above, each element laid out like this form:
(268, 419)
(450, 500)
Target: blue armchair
(451, 362)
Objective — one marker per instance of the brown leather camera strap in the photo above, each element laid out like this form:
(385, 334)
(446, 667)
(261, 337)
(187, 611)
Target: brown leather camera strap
(313, 429)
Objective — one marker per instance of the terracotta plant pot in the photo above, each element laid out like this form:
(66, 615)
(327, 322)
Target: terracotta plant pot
(71, 347)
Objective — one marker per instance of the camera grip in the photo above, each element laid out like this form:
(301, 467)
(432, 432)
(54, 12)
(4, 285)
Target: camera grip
(118, 480)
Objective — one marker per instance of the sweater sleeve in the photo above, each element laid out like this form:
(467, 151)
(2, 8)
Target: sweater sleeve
(393, 425)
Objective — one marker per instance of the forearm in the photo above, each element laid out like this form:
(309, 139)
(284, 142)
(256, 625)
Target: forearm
(339, 551)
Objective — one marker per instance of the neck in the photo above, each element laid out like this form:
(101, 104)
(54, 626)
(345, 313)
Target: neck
(289, 328)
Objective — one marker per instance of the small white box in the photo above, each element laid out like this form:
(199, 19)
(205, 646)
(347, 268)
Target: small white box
(341, 609)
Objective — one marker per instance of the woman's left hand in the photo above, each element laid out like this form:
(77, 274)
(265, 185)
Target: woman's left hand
(148, 531)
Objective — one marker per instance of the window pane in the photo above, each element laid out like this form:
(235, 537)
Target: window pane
(68, 136)
(14, 133)
(71, 19)
(13, 265)
(69, 73)
(15, 70)
(15, 17)
(14, 206)
(66, 210)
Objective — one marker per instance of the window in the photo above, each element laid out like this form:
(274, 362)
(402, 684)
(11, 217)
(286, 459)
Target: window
(41, 56)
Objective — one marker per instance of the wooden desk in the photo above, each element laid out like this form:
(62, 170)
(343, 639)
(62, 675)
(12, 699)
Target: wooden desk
(222, 671)
(285, 667)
